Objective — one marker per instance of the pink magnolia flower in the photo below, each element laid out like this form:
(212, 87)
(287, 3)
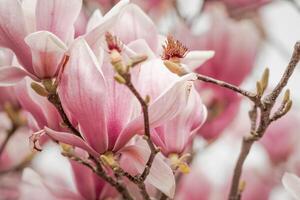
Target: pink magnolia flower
(194, 186)
(15, 152)
(291, 183)
(6, 93)
(174, 135)
(71, 181)
(97, 109)
(39, 52)
(233, 61)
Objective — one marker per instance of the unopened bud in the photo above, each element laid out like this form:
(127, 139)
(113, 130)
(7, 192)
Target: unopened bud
(286, 97)
(138, 59)
(242, 186)
(66, 148)
(184, 168)
(265, 79)
(259, 89)
(109, 160)
(147, 99)
(119, 79)
(175, 68)
(288, 106)
(40, 90)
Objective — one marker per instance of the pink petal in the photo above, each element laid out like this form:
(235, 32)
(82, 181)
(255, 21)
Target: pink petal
(178, 132)
(161, 175)
(116, 95)
(41, 109)
(6, 57)
(28, 7)
(27, 99)
(13, 31)
(94, 20)
(291, 183)
(137, 25)
(47, 52)
(84, 180)
(33, 185)
(10, 75)
(71, 139)
(194, 59)
(172, 101)
(58, 17)
(94, 37)
(85, 101)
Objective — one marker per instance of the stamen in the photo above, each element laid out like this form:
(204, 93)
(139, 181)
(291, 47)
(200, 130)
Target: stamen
(173, 49)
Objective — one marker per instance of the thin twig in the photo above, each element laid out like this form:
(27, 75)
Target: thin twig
(265, 121)
(229, 86)
(55, 100)
(147, 135)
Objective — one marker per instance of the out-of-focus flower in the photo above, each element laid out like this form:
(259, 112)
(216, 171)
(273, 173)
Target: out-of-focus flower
(71, 181)
(233, 61)
(39, 52)
(257, 185)
(7, 94)
(194, 186)
(244, 4)
(280, 139)
(291, 183)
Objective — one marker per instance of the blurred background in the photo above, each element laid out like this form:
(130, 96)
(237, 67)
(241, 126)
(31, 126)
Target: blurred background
(247, 36)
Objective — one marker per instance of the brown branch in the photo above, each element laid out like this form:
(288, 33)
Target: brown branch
(264, 105)
(226, 85)
(55, 100)
(98, 169)
(139, 181)
(265, 120)
(147, 136)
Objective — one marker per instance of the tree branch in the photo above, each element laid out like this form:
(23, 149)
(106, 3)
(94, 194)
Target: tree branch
(264, 105)
(265, 120)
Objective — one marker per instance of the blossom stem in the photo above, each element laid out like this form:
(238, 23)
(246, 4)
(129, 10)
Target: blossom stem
(144, 106)
(229, 86)
(147, 135)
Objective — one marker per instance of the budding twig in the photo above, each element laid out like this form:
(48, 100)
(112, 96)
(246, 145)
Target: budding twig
(264, 105)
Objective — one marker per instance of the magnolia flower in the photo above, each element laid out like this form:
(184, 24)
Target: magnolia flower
(291, 183)
(71, 181)
(97, 109)
(6, 93)
(194, 186)
(38, 32)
